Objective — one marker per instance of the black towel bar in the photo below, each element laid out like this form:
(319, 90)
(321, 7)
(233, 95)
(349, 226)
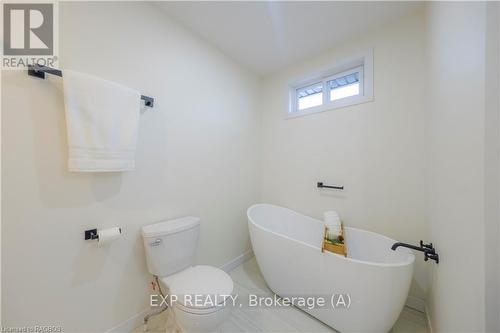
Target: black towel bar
(320, 185)
(39, 71)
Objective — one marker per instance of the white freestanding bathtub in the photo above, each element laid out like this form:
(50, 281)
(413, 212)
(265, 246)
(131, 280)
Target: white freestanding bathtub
(287, 246)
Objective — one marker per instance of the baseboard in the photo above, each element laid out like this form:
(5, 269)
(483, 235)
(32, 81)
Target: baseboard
(130, 324)
(427, 316)
(415, 303)
(233, 263)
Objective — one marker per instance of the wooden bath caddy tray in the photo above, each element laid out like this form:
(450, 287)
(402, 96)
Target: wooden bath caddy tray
(338, 247)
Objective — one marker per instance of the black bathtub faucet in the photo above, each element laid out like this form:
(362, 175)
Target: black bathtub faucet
(427, 249)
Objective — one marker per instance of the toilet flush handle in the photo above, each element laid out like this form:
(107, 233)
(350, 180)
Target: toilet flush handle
(156, 242)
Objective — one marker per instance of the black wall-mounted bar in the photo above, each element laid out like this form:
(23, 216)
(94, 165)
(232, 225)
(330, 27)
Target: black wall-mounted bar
(40, 71)
(321, 185)
(428, 250)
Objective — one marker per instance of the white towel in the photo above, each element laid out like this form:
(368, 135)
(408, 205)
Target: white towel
(102, 120)
(332, 222)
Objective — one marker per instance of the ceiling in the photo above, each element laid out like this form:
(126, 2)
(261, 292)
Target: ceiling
(268, 36)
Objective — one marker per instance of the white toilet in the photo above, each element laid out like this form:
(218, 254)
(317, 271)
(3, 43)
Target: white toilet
(202, 292)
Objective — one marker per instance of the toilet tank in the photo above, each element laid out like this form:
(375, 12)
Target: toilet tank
(170, 245)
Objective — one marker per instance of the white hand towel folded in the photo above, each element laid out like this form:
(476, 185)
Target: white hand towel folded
(332, 222)
(102, 120)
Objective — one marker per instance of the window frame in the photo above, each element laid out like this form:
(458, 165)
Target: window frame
(362, 63)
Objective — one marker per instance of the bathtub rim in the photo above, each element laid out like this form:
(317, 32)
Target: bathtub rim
(407, 262)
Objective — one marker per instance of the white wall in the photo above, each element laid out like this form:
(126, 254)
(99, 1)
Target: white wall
(197, 154)
(492, 169)
(376, 149)
(462, 163)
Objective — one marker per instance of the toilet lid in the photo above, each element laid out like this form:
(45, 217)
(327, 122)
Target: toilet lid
(200, 287)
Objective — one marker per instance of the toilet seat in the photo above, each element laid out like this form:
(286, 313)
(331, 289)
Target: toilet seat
(200, 289)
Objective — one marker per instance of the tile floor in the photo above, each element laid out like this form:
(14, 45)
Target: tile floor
(247, 279)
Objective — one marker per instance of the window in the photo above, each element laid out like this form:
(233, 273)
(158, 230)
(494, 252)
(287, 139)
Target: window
(346, 84)
(310, 96)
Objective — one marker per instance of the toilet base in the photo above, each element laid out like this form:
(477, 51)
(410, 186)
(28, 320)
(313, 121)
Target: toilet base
(201, 323)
